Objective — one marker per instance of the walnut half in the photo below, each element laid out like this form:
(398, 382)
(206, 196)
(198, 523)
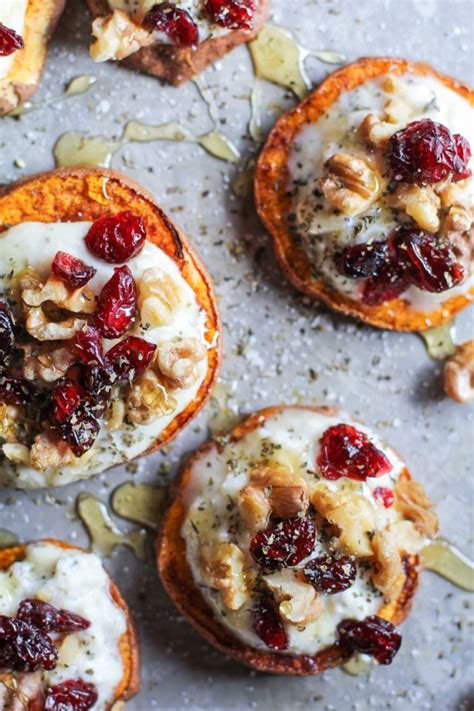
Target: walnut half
(299, 603)
(116, 37)
(177, 361)
(223, 569)
(459, 374)
(349, 184)
(412, 502)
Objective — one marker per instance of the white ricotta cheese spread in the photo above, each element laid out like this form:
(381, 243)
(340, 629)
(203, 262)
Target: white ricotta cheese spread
(75, 581)
(291, 438)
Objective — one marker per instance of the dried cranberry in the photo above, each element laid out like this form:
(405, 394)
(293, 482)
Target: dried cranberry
(117, 304)
(116, 239)
(80, 430)
(233, 14)
(463, 150)
(15, 391)
(269, 627)
(427, 152)
(71, 695)
(175, 22)
(130, 357)
(374, 636)
(284, 543)
(345, 451)
(71, 270)
(98, 382)
(388, 283)
(362, 260)
(331, 575)
(7, 336)
(23, 647)
(10, 41)
(430, 266)
(384, 495)
(66, 397)
(48, 618)
(90, 347)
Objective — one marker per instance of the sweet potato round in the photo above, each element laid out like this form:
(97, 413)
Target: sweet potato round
(129, 647)
(177, 578)
(274, 204)
(82, 194)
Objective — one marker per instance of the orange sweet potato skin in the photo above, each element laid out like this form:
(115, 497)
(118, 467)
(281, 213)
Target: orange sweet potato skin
(70, 195)
(274, 204)
(129, 647)
(177, 578)
(24, 75)
(177, 65)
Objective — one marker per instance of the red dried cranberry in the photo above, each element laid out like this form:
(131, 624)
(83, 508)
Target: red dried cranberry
(15, 391)
(362, 260)
(430, 266)
(384, 495)
(130, 357)
(71, 695)
(331, 575)
(233, 14)
(116, 239)
(463, 150)
(427, 152)
(388, 283)
(23, 647)
(80, 430)
(7, 336)
(284, 544)
(117, 304)
(175, 22)
(345, 451)
(269, 627)
(90, 347)
(66, 397)
(48, 618)
(71, 270)
(10, 41)
(98, 382)
(374, 636)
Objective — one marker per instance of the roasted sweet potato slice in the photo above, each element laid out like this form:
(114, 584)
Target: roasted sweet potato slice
(25, 71)
(71, 195)
(177, 65)
(274, 203)
(178, 580)
(129, 646)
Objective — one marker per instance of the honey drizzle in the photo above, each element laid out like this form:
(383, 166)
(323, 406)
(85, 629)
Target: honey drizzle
(104, 534)
(439, 341)
(449, 562)
(7, 539)
(76, 87)
(140, 503)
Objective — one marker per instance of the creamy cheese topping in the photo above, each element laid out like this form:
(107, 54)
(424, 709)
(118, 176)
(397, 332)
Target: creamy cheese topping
(12, 15)
(325, 230)
(75, 581)
(35, 244)
(289, 438)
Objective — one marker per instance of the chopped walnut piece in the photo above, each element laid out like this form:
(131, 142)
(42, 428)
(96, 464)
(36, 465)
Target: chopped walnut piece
(40, 327)
(17, 453)
(8, 415)
(115, 415)
(453, 193)
(459, 374)
(413, 503)
(299, 603)
(375, 132)
(391, 84)
(116, 37)
(223, 570)
(349, 184)
(47, 362)
(458, 219)
(254, 507)
(388, 545)
(286, 491)
(177, 361)
(55, 290)
(159, 297)
(351, 513)
(148, 399)
(397, 111)
(419, 202)
(409, 539)
(50, 451)
(20, 691)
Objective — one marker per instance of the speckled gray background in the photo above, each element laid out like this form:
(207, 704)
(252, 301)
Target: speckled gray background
(272, 338)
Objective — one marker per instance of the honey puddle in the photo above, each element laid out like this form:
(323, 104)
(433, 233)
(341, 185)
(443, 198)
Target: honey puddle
(75, 149)
(104, 534)
(77, 86)
(357, 665)
(277, 57)
(439, 341)
(140, 503)
(446, 560)
(7, 539)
